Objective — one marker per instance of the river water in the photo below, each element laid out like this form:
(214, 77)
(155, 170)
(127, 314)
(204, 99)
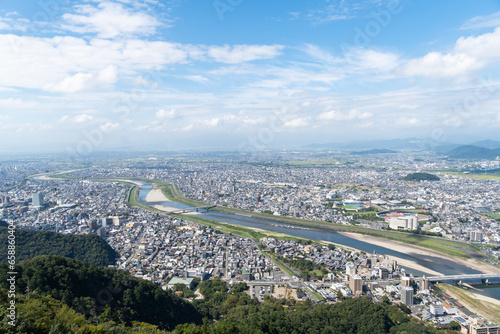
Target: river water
(441, 265)
(444, 266)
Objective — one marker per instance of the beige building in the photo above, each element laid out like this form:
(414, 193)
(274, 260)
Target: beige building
(476, 329)
(356, 284)
(424, 284)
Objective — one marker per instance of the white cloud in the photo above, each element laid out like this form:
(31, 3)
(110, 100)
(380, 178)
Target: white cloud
(297, 122)
(108, 74)
(408, 122)
(109, 126)
(33, 127)
(469, 55)
(243, 53)
(408, 106)
(317, 53)
(369, 59)
(338, 116)
(109, 20)
(338, 10)
(13, 24)
(82, 118)
(84, 81)
(436, 65)
(70, 64)
(167, 114)
(486, 21)
(213, 122)
(484, 47)
(16, 103)
(365, 125)
(72, 83)
(196, 78)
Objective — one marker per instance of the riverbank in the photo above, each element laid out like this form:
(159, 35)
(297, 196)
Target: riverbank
(483, 306)
(421, 252)
(157, 195)
(455, 249)
(401, 262)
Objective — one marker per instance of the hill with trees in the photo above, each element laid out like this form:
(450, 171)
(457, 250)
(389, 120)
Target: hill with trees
(45, 315)
(474, 152)
(421, 177)
(29, 243)
(374, 151)
(61, 295)
(101, 294)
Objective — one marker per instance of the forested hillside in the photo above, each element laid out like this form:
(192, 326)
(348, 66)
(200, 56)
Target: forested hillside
(89, 248)
(101, 293)
(60, 295)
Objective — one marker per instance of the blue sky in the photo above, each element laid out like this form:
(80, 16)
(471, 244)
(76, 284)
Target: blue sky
(84, 76)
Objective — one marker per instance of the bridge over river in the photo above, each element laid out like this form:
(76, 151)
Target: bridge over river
(205, 208)
(470, 279)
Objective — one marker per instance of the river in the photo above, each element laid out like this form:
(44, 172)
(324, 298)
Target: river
(441, 265)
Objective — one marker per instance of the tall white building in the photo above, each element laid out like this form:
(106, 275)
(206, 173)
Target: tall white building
(404, 223)
(350, 269)
(407, 295)
(476, 236)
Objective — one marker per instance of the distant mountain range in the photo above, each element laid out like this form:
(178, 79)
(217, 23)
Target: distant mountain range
(484, 149)
(392, 144)
(492, 144)
(473, 152)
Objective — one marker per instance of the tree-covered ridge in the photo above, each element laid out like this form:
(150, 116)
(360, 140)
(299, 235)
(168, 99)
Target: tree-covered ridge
(101, 293)
(421, 177)
(60, 295)
(277, 316)
(237, 313)
(89, 248)
(375, 151)
(474, 152)
(45, 315)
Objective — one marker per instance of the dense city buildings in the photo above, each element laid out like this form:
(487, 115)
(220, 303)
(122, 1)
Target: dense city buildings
(170, 250)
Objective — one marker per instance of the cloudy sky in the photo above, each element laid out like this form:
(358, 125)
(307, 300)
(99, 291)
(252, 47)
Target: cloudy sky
(92, 75)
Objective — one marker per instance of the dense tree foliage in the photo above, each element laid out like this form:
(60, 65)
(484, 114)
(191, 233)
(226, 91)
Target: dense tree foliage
(89, 248)
(101, 293)
(60, 295)
(301, 264)
(238, 313)
(44, 314)
(217, 301)
(421, 177)
(276, 317)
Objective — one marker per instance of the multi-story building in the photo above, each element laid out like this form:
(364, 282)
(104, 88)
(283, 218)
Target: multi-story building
(38, 199)
(407, 295)
(356, 284)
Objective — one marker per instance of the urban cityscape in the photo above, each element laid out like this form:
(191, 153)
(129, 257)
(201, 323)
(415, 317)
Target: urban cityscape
(249, 167)
(335, 189)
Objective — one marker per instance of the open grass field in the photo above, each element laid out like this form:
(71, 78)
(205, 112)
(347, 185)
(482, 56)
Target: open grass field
(493, 215)
(476, 176)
